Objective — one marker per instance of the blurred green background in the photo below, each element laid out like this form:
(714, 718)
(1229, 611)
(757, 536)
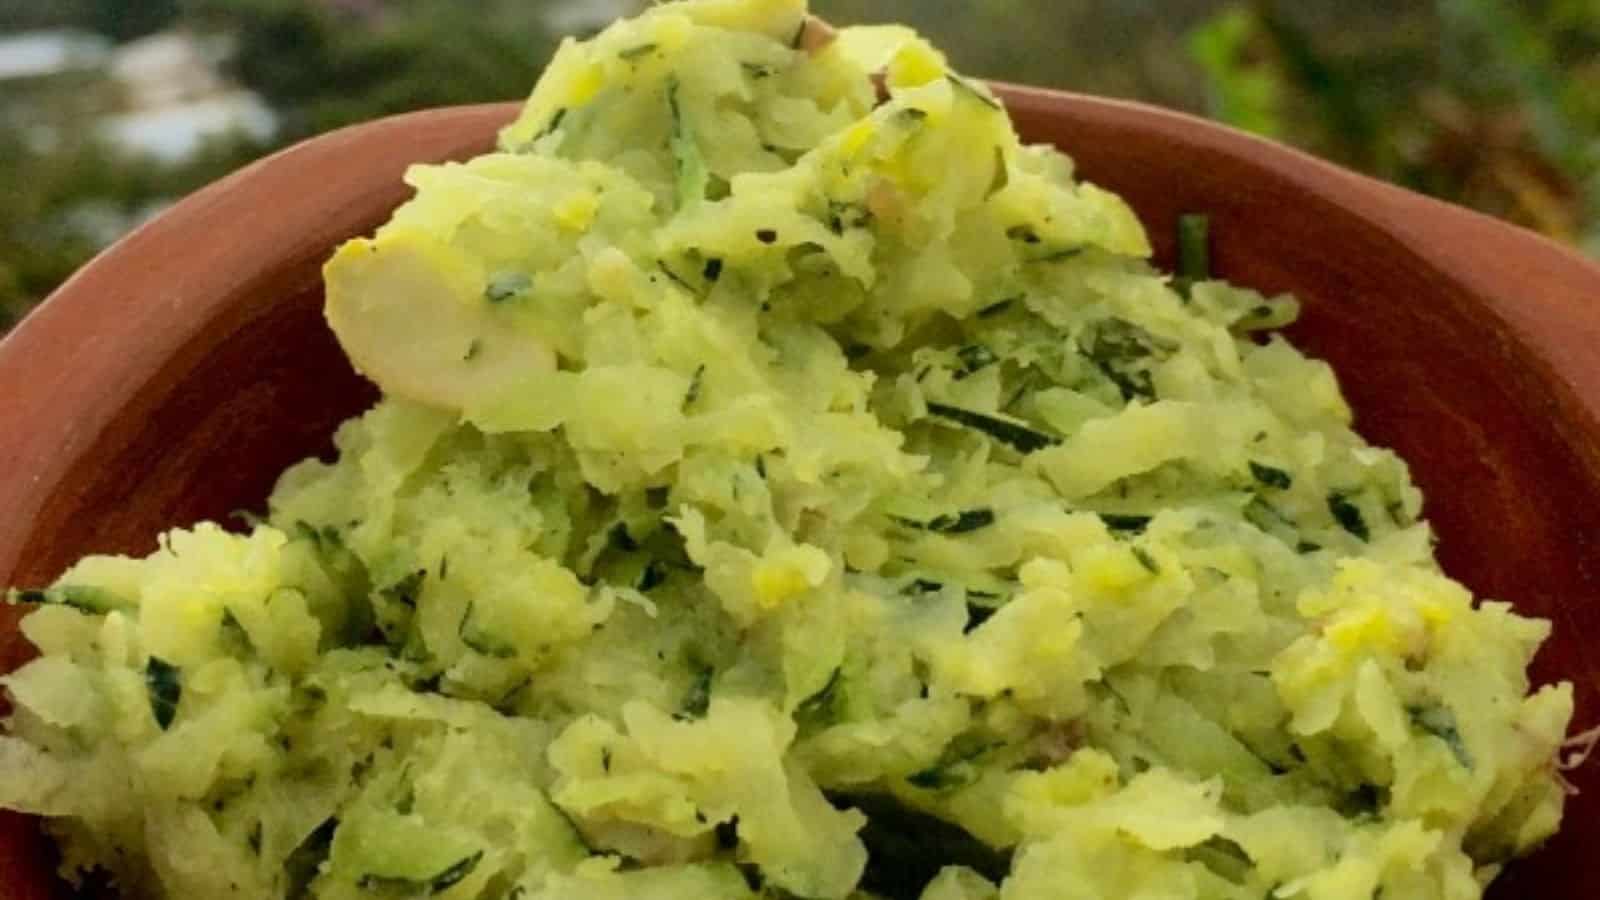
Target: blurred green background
(111, 109)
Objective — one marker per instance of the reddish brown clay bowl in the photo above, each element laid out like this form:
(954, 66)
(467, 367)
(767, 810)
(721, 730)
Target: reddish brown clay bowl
(176, 375)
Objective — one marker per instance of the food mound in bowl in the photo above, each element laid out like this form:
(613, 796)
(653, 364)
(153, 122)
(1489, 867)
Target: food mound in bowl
(781, 491)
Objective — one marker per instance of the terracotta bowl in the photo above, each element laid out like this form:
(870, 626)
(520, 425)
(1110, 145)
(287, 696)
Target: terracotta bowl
(177, 374)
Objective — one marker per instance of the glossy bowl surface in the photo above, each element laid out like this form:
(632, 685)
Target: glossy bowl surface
(175, 376)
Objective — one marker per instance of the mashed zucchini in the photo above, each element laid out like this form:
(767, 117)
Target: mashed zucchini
(782, 493)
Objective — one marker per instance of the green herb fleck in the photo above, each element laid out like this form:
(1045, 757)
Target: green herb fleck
(555, 122)
(79, 597)
(505, 285)
(824, 707)
(693, 174)
(1017, 436)
(693, 393)
(1271, 476)
(1123, 351)
(697, 700)
(164, 683)
(1124, 523)
(843, 216)
(634, 53)
(1440, 722)
(1348, 515)
(712, 270)
(974, 358)
(953, 523)
(1364, 802)
(997, 308)
(1060, 255)
(674, 277)
(450, 876)
(438, 884)
(1146, 560)
(977, 614)
(473, 349)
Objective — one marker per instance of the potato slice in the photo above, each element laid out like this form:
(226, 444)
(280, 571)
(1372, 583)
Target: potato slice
(419, 320)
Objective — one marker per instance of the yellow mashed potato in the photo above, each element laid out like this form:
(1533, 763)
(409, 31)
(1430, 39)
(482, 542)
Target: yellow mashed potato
(782, 493)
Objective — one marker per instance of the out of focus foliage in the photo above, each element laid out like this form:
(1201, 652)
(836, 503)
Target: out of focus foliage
(322, 67)
(1491, 103)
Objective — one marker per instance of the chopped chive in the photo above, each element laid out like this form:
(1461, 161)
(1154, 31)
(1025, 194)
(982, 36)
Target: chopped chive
(697, 700)
(953, 523)
(1271, 476)
(976, 616)
(1125, 524)
(822, 708)
(1002, 173)
(450, 876)
(1440, 722)
(555, 122)
(633, 53)
(438, 884)
(1019, 437)
(713, 270)
(84, 599)
(974, 358)
(996, 308)
(767, 236)
(674, 277)
(505, 285)
(693, 393)
(651, 577)
(693, 175)
(1348, 515)
(1061, 255)
(1146, 560)
(164, 683)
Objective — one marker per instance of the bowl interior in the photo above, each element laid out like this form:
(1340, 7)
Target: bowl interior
(210, 409)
